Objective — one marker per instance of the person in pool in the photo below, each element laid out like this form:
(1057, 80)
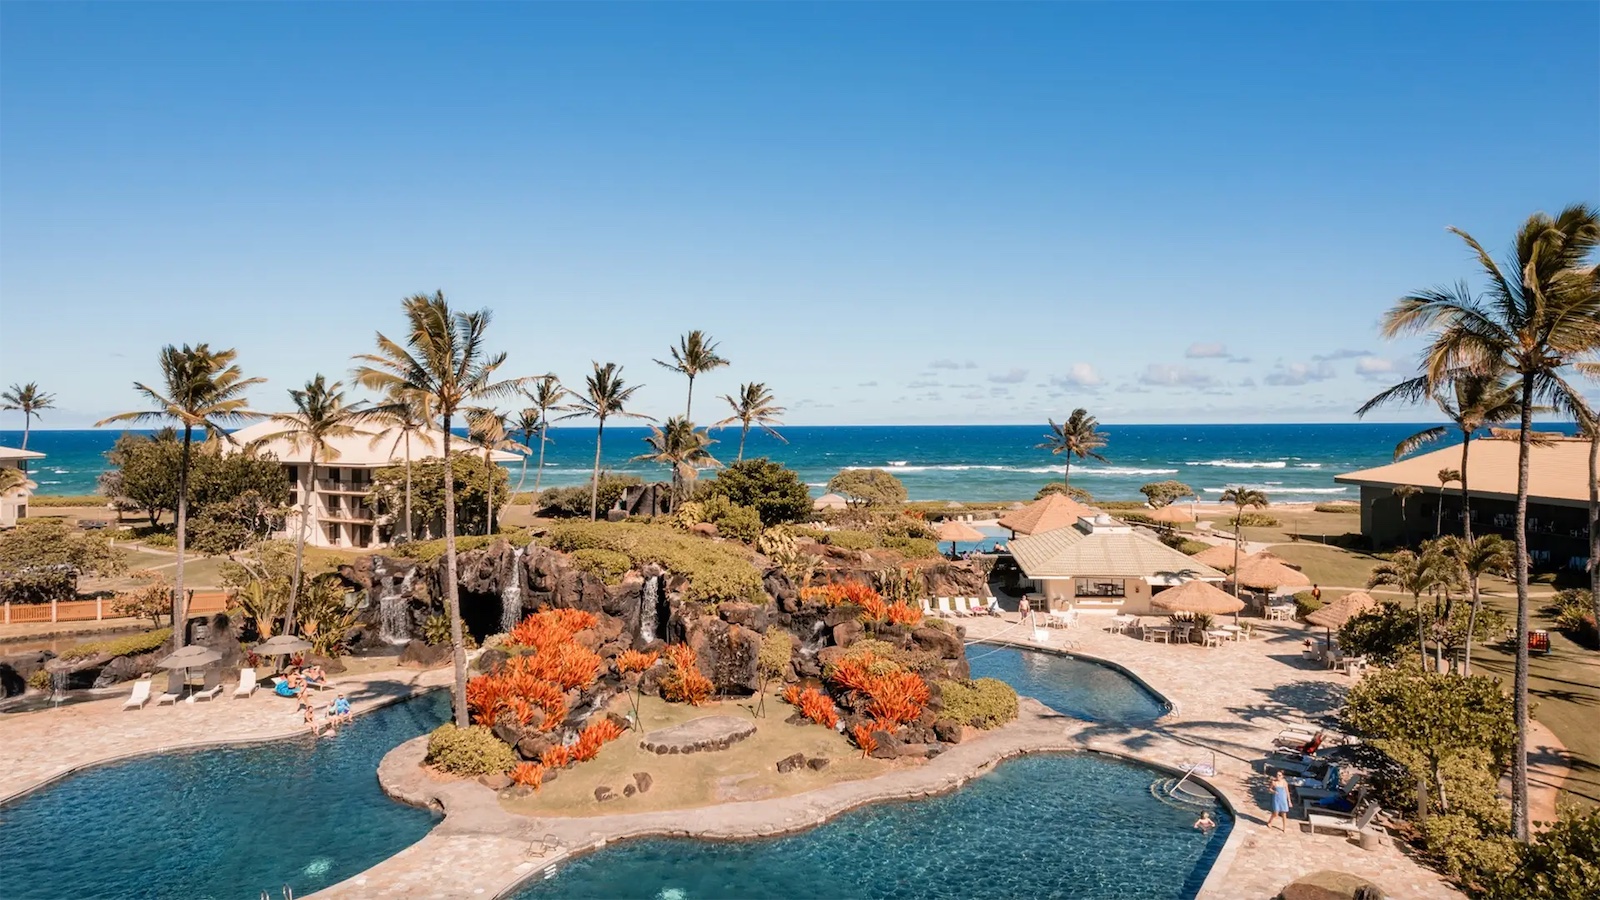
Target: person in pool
(1204, 823)
(1280, 801)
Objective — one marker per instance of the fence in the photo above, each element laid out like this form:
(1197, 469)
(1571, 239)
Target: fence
(200, 603)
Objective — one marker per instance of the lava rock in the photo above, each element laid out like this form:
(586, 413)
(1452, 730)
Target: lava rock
(628, 790)
(948, 731)
(644, 781)
(888, 745)
(792, 762)
(490, 660)
(1331, 885)
(420, 655)
(747, 615)
(847, 633)
(817, 763)
(944, 643)
(532, 745)
(11, 683)
(499, 781)
(603, 793)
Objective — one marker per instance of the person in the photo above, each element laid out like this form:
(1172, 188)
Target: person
(341, 708)
(310, 715)
(1280, 801)
(1022, 609)
(315, 676)
(1316, 593)
(1204, 823)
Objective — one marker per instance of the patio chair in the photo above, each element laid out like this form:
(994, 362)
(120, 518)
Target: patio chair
(213, 687)
(140, 695)
(174, 688)
(1356, 791)
(1356, 825)
(247, 683)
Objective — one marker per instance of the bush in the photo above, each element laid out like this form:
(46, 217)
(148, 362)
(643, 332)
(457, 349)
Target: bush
(1562, 862)
(851, 540)
(128, 645)
(608, 565)
(1466, 853)
(869, 487)
(740, 523)
(473, 750)
(41, 502)
(1573, 612)
(1337, 507)
(715, 571)
(39, 680)
(573, 502)
(432, 551)
(1253, 520)
(436, 631)
(984, 703)
(775, 492)
(1305, 604)
(1186, 545)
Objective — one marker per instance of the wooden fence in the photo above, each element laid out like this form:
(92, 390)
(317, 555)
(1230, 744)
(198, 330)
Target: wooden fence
(200, 603)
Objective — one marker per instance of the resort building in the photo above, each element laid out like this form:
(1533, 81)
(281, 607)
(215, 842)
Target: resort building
(1558, 496)
(1101, 564)
(14, 503)
(1053, 512)
(341, 514)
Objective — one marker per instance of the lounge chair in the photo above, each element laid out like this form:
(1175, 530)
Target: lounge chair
(1358, 802)
(174, 688)
(1342, 825)
(247, 683)
(213, 687)
(140, 695)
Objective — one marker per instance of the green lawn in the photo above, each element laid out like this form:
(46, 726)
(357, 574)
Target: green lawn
(1328, 566)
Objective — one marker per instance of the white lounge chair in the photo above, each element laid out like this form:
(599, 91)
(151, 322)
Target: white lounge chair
(140, 695)
(175, 682)
(209, 693)
(247, 683)
(1342, 825)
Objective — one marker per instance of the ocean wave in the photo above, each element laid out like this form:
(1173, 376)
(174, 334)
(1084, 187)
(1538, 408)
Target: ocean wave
(1236, 464)
(1110, 471)
(1279, 492)
(1308, 465)
(1121, 470)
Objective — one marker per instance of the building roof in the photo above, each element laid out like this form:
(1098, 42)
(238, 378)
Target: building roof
(358, 449)
(830, 501)
(1197, 597)
(1119, 552)
(1558, 470)
(1053, 512)
(14, 453)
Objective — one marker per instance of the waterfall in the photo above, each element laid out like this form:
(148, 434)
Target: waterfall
(649, 609)
(394, 623)
(58, 686)
(511, 593)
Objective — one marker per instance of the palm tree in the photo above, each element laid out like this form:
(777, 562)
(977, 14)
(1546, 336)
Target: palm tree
(442, 364)
(11, 479)
(1471, 401)
(753, 406)
(547, 396)
(29, 399)
(606, 395)
(320, 414)
(681, 446)
(1590, 428)
(1416, 574)
(1540, 313)
(1445, 477)
(404, 416)
(1076, 436)
(1405, 492)
(1240, 497)
(1475, 558)
(696, 352)
(492, 430)
(199, 389)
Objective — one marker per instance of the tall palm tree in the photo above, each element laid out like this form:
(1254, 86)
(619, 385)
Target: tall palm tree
(11, 479)
(1470, 400)
(681, 446)
(29, 400)
(547, 396)
(403, 416)
(696, 353)
(1590, 428)
(199, 388)
(1075, 436)
(1405, 492)
(442, 362)
(605, 395)
(1538, 314)
(753, 406)
(1241, 497)
(1416, 574)
(320, 415)
(1445, 476)
(492, 430)
(1475, 558)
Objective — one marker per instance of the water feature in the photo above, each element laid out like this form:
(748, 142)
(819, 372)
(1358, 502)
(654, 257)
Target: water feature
(649, 608)
(226, 822)
(394, 617)
(511, 593)
(1078, 687)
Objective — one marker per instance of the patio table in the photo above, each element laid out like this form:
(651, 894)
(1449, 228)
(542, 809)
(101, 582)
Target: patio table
(1162, 633)
(1218, 635)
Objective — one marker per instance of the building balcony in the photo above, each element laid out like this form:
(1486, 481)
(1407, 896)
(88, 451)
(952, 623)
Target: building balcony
(361, 516)
(329, 486)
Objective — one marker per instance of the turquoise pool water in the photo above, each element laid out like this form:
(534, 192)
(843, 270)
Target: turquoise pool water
(1079, 688)
(1063, 826)
(222, 823)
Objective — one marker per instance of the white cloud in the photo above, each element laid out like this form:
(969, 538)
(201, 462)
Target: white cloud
(1015, 376)
(1298, 373)
(919, 385)
(952, 364)
(1206, 351)
(1081, 375)
(1171, 375)
(1340, 354)
(867, 384)
(1375, 368)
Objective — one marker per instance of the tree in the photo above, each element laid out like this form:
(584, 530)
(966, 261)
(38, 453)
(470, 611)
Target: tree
(547, 396)
(1241, 497)
(1475, 558)
(607, 395)
(774, 491)
(1591, 429)
(476, 485)
(1538, 314)
(1445, 477)
(1405, 492)
(1468, 399)
(200, 389)
(1165, 493)
(681, 447)
(238, 492)
(492, 431)
(442, 364)
(29, 400)
(1075, 436)
(1416, 574)
(753, 406)
(404, 416)
(12, 479)
(868, 487)
(36, 547)
(696, 353)
(1056, 487)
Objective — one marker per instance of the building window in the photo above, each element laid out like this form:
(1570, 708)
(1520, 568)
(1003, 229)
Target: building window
(294, 473)
(1100, 587)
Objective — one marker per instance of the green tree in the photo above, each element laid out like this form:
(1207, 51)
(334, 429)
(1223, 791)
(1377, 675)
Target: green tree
(696, 353)
(28, 399)
(1591, 429)
(1563, 863)
(1241, 497)
(492, 431)
(607, 395)
(774, 491)
(36, 546)
(1473, 559)
(1383, 635)
(403, 417)
(1076, 436)
(1446, 476)
(868, 487)
(681, 447)
(441, 363)
(547, 396)
(145, 477)
(1538, 315)
(1165, 493)
(1056, 487)
(11, 479)
(1416, 574)
(753, 406)
(200, 389)
(1405, 492)
(259, 582)
(320, 415)
(144, 473)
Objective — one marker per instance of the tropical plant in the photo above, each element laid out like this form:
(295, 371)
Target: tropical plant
(441, 363)
(547, 396)
(12, 479)
(403, 416)
(696, 353)
(1538, 314)
(1415, 574)
(868, 487)
(773, 490)
(492, 430)
(326, 616)
(681, 447)
(199, 389)
(606, 395)
(753, 406)
(477, 487)
(1475, 558)
(1241, 497)
(27, 399)
(1077, 435)
(1446, 476)
(1404, 492)
(1591, 429)
(1165, 493)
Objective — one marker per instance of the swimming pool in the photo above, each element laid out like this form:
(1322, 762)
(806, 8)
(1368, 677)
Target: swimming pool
(1057, 825)
(1078, 687)
(224, 823)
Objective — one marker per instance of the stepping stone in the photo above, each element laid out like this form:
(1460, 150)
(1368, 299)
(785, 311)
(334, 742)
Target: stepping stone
(702, 735)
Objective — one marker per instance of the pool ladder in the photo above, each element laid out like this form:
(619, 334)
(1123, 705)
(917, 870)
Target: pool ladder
(1179, 790)
(288, 893)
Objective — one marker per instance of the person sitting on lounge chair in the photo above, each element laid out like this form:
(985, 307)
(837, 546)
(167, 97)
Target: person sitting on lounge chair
(315, 676)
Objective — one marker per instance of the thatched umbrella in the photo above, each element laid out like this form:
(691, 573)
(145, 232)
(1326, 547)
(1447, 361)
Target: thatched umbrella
(1268, 573)
(954, 530)
(1217, 557)
(1342, 610)
(1197, 597)
(1171, 515)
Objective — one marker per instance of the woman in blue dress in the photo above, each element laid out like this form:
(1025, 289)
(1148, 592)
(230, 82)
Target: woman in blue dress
(1280, 801)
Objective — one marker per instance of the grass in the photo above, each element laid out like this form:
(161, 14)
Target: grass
(1309, 524)
(1328, 566)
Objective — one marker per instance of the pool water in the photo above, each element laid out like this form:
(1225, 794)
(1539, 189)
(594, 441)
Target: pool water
(219, 823)
(1059, 825)
(1080, 688)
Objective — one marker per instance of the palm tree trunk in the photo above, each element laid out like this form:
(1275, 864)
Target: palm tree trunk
(1438, 520)
(527, 438)
(1422, 634)
(27, 426)
(538, 473)
(594, 481)
(1519, 761)
(1238, 539)
(1594, 524)
(743, 433)
(300, 542)
(1066, 472)
(690, 404)
(452, 599)
(409, 534)
(1472, 626)
(488, 503)
(1466, 499)
(183, 523)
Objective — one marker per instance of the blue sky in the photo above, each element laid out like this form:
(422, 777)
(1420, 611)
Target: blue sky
(889, 213)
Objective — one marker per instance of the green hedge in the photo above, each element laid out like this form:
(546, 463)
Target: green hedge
(473, 750)
(128, 645)
(910, 547)
(715, 571)
(1338, 508)
(40, 501)
(429, 551)
(1254, 520)
(609, 565)
(984, 703)
(1305, 604)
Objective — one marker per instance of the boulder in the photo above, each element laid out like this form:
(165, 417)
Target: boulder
(499, 781)
(847, 632)
(727, 654)
(126, 668)
(603, 793)
(888, 745)
(11, 682)
(790, 763)
(830, 656)
(25, 664)
(1330, 885)
(746, 615)
(703, 529)
(506, 729)
(331, 665)
(817, 763)
(490, 660)
(644, 781)
(948, 731)
(944, 643)
(532, 745)
(780, 588)
(420, 655)
(629, 790)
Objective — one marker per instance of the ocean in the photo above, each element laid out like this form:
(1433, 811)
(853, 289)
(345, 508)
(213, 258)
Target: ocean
(948, 462)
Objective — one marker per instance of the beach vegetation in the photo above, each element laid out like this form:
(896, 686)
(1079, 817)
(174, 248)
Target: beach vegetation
(546, 397)
(607, 565)
(41, 560)
(27, 399)
(753, 405)
(1165, 493)
(982, 703)
(683, 449)
(873, 488)
(605, 396)
(468, 750)
(1475, 558)
(152, 601)
(773, 490)
(1082, 496)
(1077, 435)
(1338, 508)
(1573, 612)
(476, 487)
(572, 502)
(493, 431)
(714, 570)
(695, 354)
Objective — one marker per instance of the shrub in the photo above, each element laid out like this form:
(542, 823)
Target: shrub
(897, 697)
(572, 502)
(1305, 604)
(984, 703)
(911, 548)
(473, 750)
(1562, 862)
(685, 683)
(1253, 520)
(851, 540)
(42, 501)
(39, 680)
(1188, 546)
(593, 737)
(1163, 493)
(528, 775)
(436, 631)
(1465, 853)
(607, 565)
(740, 523)
(818, 707)
(432, 551)
(715, 571)
(869, 487)
(129, 645)
(556, 756)
(1574, 613)
(775, 492)
(1337, 507)
(636, 660)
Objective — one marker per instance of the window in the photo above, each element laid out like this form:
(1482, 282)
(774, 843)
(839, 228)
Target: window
(1101, 587)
